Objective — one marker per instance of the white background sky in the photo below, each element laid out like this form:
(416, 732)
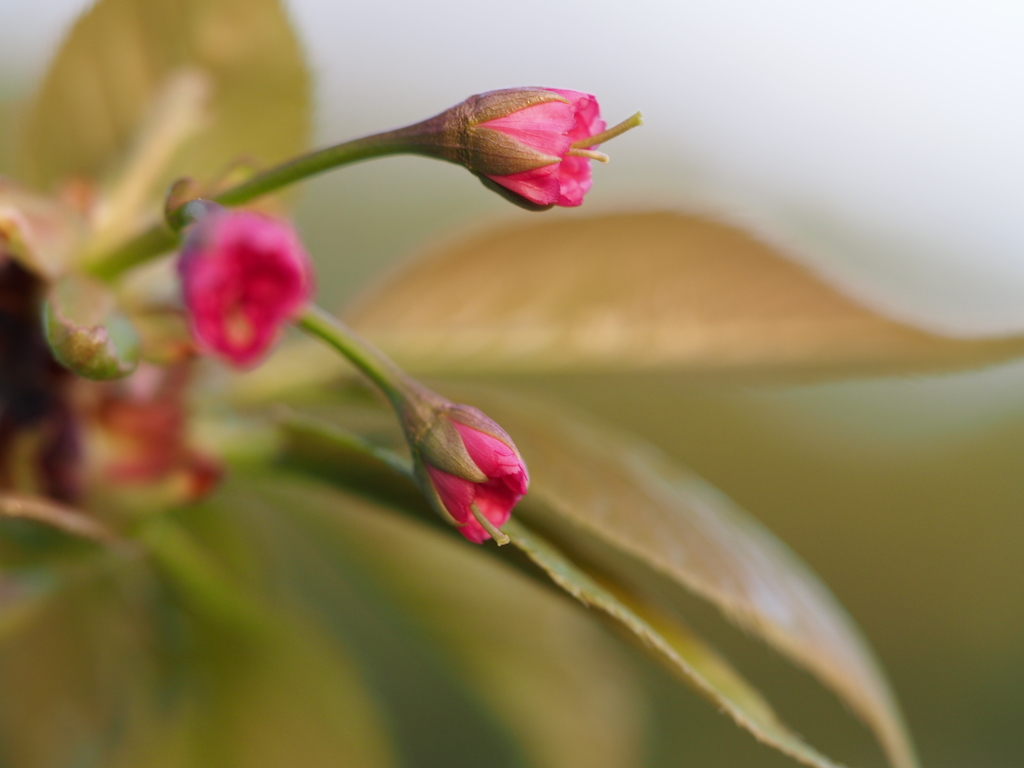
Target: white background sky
(883, 139)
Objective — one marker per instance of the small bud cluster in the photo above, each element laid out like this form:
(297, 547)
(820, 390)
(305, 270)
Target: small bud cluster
(244, 276)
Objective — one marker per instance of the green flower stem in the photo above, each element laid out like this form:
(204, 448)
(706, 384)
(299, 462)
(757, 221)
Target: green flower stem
(302, 167)
(160, 238)
(152, 242)
(391, 379)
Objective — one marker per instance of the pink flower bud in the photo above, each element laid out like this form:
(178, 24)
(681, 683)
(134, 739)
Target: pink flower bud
(552, 128)
(473, 470)
(532, 145)
(243, 276)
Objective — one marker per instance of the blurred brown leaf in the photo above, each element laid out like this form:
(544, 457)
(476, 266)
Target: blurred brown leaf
(640, 291)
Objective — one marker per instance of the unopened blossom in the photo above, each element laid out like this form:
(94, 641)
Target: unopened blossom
(533, 145)
(243, 276)
(555, 129)
(466, 465)
(472, 469)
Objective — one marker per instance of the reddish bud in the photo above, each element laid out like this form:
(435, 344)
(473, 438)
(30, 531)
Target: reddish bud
(243, 276)
(471, 469)
(533, 145)
(552, 128)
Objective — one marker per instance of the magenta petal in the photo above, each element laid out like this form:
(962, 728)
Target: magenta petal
(574, 180)
(575, 98)
(495, 497)
(553, 127)
(587, 113)
(494, 457)
(474, 532)
(455, 493)
(243, 276)
(540, 186)
(544, 127)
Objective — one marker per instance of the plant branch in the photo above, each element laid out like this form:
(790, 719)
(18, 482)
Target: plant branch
(161, 238)
(391, 379)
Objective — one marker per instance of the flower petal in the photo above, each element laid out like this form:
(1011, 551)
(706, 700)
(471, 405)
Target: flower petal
(540, 186)
(545, 127)
(243, 276)
(587, 112)
(456, 494)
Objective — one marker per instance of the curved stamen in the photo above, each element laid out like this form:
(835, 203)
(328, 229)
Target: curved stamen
(499, 536)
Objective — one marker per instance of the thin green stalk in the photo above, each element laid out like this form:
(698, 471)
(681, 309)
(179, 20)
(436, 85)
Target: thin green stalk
(432, 138)
(391, 379)
(160, 238)
(152, 242)
(303, 167)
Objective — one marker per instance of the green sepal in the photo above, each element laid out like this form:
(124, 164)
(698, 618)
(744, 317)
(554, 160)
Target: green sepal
(86, 332)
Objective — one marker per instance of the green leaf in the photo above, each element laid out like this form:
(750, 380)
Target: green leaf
(131, 666)
(382, 475)
(202, 583)
(558, 682)
(23, 594)
(70, 674)
(651, 291)
(293, 698)
(270, 687)
(621, 506)
(156, 89)
(86, 331)
(617, 506)
(347, 459)
(674, 645)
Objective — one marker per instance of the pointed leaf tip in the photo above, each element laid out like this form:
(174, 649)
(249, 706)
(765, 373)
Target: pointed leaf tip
(643, 291)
